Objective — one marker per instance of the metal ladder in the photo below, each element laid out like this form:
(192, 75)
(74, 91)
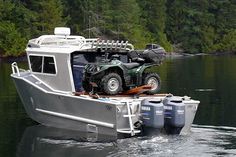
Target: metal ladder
(131, 129)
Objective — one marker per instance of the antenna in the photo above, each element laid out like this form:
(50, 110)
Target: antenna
(89, 26)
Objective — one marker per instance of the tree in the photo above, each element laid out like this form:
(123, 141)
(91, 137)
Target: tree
(50, 15)
(155, 14)
(11, 43)
(24, 19)
(227, 43)
(127, 23)
(190, 25)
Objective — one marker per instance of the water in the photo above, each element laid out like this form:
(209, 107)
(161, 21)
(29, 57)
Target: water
(210, 79)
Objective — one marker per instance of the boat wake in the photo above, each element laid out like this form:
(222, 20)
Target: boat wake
(202, 141)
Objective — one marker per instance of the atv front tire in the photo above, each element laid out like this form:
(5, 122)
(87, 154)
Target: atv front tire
(154, 80)
(111, 84)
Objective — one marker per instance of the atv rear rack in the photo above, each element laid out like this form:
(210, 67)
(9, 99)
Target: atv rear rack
(112, 45)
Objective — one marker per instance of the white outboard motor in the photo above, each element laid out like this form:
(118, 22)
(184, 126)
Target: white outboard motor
(174, 114)
(152, 113)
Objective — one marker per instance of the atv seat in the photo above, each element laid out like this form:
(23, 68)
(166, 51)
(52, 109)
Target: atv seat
(131, 65)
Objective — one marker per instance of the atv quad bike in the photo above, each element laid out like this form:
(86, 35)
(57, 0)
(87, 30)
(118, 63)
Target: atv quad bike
(113, 76)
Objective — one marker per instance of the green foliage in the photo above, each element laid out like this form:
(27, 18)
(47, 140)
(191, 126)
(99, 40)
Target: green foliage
(51, 15)
(11, 43)
(127, 22)
(198, 26)
(227, 43)
(188, 26)
(155, 16)
(24, 20)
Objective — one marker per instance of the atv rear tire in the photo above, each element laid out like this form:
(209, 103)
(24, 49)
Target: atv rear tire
(111, 84)
(154, 80)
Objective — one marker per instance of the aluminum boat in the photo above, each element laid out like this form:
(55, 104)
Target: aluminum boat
(49, 91)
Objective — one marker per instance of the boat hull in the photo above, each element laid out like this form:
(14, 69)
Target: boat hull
(66, 111)
(83, 113)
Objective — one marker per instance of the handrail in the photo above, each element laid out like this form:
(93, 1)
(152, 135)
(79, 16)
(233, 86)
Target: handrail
(56, 40)
(43, 39)
(15, 68)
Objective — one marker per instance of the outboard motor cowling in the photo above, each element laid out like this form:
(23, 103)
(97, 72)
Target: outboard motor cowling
(174, 109)
(152, 113)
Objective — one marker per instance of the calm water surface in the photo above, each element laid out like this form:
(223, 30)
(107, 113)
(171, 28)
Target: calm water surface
(210, 79)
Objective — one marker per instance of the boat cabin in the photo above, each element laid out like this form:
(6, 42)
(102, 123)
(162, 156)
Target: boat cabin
(59, 59)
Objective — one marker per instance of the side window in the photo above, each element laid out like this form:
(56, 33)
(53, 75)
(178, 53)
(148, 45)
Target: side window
(36, 63)
(42, 64)
(49, 65)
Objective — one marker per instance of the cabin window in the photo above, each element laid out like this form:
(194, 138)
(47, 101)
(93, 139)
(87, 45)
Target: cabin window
(42, 64)
(49, 65)
(36, 63)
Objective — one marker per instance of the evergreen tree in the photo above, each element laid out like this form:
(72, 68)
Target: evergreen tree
(50, 15)
(225, 24)
(175, 20)
(127, 24)
(76, 11)
(191, 26)
(24, 19)
(11, 41)
(155, 14)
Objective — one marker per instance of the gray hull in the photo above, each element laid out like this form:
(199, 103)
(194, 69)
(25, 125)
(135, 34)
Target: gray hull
(65, 111)
(83, 113)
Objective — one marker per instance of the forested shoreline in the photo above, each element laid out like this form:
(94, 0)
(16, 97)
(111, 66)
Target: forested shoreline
(202, 26)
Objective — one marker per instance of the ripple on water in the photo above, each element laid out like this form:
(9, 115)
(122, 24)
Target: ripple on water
(203, 141)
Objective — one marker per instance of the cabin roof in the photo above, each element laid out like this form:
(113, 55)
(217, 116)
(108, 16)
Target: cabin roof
(70, 44)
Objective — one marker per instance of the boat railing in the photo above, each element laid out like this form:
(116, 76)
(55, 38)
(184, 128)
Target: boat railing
(15, 69)
(80, 42)
(60, 40)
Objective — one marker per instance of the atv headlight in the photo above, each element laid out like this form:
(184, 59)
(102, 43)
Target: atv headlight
(98, 68)
(93, 68)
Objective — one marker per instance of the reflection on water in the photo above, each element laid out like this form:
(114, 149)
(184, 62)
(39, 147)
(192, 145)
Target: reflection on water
(40, 141)
(201, 142)
(210, 79)
(13, 119)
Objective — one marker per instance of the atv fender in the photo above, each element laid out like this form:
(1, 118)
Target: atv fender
(141, 71)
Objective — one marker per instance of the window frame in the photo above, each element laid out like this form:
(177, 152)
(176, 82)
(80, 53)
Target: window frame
(42, 73)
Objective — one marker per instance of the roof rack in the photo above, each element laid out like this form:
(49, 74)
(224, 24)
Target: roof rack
(59, 40)
(62, 38)
(80, 42)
